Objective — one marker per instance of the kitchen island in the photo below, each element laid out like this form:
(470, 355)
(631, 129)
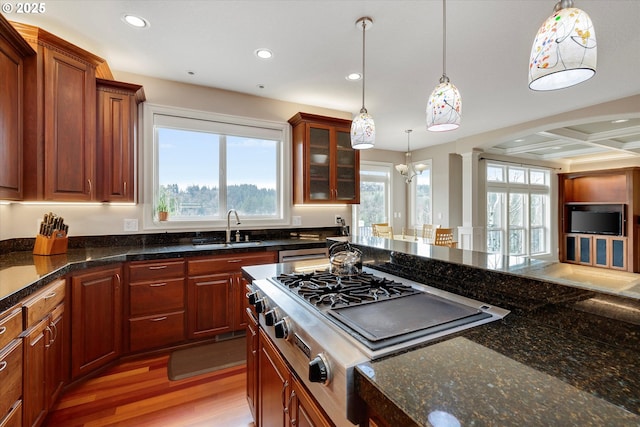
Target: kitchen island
(565, 355)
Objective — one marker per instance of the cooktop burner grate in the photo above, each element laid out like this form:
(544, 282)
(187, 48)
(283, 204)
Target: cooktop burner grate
(321, 288)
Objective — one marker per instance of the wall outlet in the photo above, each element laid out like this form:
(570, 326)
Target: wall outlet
(130, 225)
(338, 220)
(296, 220)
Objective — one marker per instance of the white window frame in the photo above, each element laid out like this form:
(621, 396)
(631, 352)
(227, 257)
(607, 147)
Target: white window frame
(152, 114)
(506, 188)
(413, 221)
(383, 167)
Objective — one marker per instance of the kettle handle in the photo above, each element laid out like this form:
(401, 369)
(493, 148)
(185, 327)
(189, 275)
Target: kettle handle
(338, 246)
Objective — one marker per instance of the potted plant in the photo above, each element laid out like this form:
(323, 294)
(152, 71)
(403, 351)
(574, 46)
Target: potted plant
(163, 206)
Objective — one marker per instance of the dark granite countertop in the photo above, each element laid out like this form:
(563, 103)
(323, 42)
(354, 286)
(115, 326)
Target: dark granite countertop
(22, 273)
(565, 355)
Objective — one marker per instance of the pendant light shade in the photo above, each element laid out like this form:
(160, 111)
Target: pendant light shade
(363, 129)
(564, 52)
(444, 108)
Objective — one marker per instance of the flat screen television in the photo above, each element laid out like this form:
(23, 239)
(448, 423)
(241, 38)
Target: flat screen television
(597, 222)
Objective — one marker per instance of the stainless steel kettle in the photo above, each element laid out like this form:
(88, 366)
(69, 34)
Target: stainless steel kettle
(344, 260)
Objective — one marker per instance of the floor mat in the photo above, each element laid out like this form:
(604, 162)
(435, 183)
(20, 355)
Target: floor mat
(207, 358)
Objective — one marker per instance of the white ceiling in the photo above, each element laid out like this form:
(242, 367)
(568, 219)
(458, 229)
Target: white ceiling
(316, 44)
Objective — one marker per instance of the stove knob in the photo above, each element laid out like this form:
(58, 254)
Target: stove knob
(252, 297)
(319, 370)
(282, 328)
(261, 305)
(271, 317)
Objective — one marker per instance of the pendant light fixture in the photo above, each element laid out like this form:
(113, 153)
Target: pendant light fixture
(363, 129)
(564, 52)
(409, 170)
(444, 109)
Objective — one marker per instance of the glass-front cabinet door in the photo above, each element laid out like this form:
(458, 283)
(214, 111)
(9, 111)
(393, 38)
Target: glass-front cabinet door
(346, 177)
(319, 163)
(325, 167)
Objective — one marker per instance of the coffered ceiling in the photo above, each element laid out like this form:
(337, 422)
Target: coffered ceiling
(316, 45)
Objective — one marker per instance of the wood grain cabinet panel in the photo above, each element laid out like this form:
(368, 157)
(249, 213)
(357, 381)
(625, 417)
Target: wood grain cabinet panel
(156, 301)
(10, 376)
(117, 139)
(13, 50)
(14, 417)
(45, 351)
(96, 315)
(216, 292)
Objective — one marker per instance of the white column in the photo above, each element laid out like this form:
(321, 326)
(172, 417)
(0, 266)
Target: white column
(471, 235)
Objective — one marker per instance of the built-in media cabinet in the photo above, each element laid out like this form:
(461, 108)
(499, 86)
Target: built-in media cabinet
(600, 218)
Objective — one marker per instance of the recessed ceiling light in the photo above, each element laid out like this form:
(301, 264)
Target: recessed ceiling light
(619, 121)
(354, 76)
(555, 147)
(519, 140)
(135, 21)
(264, 53)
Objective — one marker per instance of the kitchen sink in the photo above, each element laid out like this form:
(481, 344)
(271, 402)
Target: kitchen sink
(222, 245)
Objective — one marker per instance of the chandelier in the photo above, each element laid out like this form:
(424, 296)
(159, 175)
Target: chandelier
(408, 170)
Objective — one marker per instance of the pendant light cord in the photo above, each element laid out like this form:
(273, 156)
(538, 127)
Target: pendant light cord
(364, 29)
(444, 38)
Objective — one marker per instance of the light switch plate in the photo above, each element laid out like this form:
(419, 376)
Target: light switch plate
(296, 220)
(130, 224)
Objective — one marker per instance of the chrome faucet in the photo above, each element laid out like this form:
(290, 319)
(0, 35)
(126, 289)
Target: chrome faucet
(228, 238)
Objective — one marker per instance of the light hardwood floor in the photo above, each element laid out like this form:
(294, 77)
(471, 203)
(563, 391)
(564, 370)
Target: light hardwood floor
(138, 393)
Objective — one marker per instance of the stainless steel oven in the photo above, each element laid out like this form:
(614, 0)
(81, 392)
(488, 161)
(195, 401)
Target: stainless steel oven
(324, 325)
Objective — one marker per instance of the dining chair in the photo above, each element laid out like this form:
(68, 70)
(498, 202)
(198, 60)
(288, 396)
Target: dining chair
(443, 237)
(427, 230)
(385, 231)
(374, 227)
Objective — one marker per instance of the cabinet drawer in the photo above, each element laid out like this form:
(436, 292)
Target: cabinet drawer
(156, 297)
(10, 376)
(10, 325)
(14, 418)
(43, 302)
(166, 269)
(228, 263)
(156, 331)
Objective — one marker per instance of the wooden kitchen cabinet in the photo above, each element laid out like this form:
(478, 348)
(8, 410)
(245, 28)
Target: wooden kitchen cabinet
(325, 167)
(117, 136)
(585, 191)
(596, 250)
(156, 302)
(303, 410)
(96, 318)
(273, 385)
(60, 118)
(11, 357)
(45, 354)
(282, 399)
(216, 291)
(13, 50)
(253, 347)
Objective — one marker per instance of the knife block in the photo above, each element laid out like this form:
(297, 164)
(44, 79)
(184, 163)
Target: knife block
(51, 245)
